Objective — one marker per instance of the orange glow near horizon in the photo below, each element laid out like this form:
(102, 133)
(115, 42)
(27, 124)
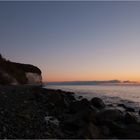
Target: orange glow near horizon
(85, 77)
(74, 41)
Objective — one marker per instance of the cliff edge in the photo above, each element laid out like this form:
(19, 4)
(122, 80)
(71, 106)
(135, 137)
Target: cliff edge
(12, 73)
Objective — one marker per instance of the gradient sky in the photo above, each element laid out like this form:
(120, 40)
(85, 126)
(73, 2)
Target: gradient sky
(73, 40)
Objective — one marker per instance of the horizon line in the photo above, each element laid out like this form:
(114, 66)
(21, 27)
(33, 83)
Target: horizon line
(121, 81)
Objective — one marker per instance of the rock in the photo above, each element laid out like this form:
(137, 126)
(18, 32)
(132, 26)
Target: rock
(87, 115)
(105, 130)
(130, 131)
(139, 112)
(79, 105)
(78, 120)
(127, 108)
(53, 114)
(52, 120)
(80, 97)
(130, 109)
(130, 118)
(97, 102)
(83, 116)
(90, 131)
(72, 125)
(122, 105)
(109, 115)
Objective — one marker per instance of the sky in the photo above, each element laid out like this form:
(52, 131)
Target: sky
(71, 40)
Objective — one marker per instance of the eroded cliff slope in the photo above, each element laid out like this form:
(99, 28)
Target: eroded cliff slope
(12, 73)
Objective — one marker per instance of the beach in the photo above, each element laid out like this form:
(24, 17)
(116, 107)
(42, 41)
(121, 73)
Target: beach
(34, 112)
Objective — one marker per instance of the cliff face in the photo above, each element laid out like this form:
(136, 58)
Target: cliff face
(33, 78)
(12, 73)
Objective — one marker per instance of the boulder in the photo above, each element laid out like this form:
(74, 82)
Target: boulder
(72, 124)
(97, 102)
(127, 108)
(78, 120)
(139, 112)
(105, 130)
(90, 131)
(79, 105)
(109, 115)
(130, 131)
(130, 118)
(87, 115)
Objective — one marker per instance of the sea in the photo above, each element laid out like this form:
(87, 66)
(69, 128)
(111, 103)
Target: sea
(116, 94)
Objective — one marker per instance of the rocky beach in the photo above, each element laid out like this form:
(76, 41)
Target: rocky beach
(69, 69)
(35, 113)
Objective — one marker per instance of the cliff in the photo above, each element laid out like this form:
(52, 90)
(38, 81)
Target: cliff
(12, 73)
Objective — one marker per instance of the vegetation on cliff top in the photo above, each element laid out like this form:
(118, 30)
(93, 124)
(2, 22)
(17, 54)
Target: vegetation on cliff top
(16, 70)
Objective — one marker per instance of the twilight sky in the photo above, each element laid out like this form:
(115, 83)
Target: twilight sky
(73, 40)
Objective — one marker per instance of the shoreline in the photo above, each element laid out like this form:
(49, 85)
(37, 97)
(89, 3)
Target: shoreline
(35, 112)
(108, 99)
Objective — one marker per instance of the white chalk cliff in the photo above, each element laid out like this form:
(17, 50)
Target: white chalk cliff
(34, 78)
(12, 73)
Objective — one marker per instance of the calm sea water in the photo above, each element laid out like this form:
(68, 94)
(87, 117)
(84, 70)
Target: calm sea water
(127, 94)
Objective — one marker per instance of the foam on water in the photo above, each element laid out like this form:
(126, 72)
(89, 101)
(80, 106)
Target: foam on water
(129, 95)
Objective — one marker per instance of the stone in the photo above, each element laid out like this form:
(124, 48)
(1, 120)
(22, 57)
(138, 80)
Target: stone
(109, 115)
(87, 115)
(79, 105)
(79, 119)
(122, 105)
(71, 123)
(105, 130)
(130, 131)
(90, 131)
(139, 112)
(127, 108)
(98, 103)
(130, 118)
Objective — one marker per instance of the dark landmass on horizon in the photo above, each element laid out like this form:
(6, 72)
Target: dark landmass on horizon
(91, 82)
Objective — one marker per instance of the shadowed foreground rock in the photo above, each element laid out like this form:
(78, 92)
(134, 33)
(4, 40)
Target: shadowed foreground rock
(35, 113)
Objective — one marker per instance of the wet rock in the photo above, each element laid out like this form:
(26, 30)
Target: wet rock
(127, 108)
(75, 121)
(122, 105)
(130, 118)
(105, 130)
(80, 97)
(139, 112)
(72, 125)
(109, 115)
(52, 120)
(90, 131)
(130, 131)
(79, 105)
(87, 115)
(98, 103)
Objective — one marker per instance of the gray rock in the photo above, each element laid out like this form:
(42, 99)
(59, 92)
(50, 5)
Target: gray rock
(79, 105)
(109, 115)
(130, 118)
(139, 112)
(90, 131)
(130, 131)
(78, 120)
(127, 108)
(97, 102)
(105, 130)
